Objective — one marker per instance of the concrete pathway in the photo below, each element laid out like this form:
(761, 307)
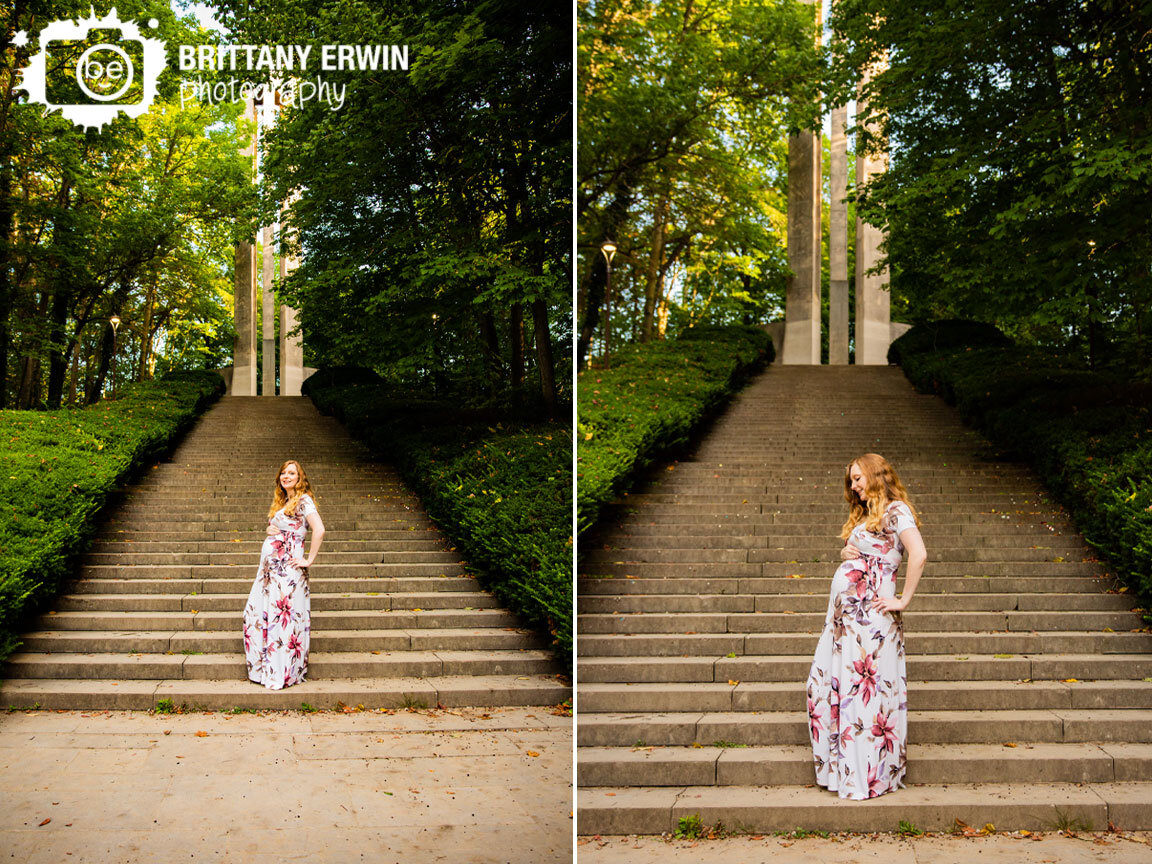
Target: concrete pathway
(462, 785)
(1127, 848)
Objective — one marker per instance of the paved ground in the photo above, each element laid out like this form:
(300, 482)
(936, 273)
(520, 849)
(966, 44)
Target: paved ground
(1128, 848)
(460, 785)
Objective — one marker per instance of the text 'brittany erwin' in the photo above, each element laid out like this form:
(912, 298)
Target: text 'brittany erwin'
(292, 58)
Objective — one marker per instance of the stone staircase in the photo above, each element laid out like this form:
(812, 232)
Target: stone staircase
(703, 595)
(156, 611)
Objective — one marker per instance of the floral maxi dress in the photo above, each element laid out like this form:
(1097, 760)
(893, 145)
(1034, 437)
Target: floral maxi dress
(277, 616)
(857, 687)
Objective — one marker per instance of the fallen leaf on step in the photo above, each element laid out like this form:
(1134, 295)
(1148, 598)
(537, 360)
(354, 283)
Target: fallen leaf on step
(1069, 680)
(533, 753)
(732, 682)
(1009, 744)
(46, 821)
(167, 731)
(201, 734)
(794, 576)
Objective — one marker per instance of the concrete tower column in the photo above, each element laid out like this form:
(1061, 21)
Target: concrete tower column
(838, 241)
(802, 300)
(873, 301)
(291, 347)
(244, 305)
(268, 311)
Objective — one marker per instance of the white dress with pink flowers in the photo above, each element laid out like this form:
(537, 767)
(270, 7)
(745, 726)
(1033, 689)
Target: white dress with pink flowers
(857, 688)
(277, 616)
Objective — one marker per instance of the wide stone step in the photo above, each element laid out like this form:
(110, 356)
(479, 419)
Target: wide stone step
(403, 542)
(937, 542)
(322, 620)
(819, 583)
(321, 665)
(735, 695)
(218, 559)
(229, 571)
(243, 584)
(791, 567)
(599, 604)
(675, 645)
(330, 693)
(936, 764)
(232, 641)
(232, 602)
(922, 667)
(762, 810)
(818, 553)
(813, 622)
(1067, 725)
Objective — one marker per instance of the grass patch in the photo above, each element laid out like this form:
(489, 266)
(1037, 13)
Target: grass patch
(650, 401)
(57, 470)
(800, 834)
(308, 709)
(165, 706)
(907, 829)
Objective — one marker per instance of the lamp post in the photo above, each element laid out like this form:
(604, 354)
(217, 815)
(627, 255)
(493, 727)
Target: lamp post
(608, 248)
(115, 322)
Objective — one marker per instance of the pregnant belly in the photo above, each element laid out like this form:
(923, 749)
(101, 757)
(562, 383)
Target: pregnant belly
(277, 547)
(857, 576)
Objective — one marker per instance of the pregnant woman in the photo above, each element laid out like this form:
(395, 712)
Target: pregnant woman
(857, 688)
(277, 617)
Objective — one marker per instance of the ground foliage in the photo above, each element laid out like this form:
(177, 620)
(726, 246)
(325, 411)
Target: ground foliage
(1020, 134)
(57, 469)
(1087, 433)
(651, 400)
(501, 490)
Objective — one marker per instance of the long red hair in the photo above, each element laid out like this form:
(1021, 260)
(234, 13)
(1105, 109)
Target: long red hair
(280, 497)
(882, 486)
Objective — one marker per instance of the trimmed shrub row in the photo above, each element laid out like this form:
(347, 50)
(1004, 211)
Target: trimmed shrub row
(651, 400)
(57, 469)
(1088, 434)
(501, 492)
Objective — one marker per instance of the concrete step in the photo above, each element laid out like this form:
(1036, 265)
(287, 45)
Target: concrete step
(219, 559)
(683, 729)
(936, 764)
(676, 645)
(601, 604)
(322, 620)
(762, 810)
(813, 622)
(243, 584)
(321, 665)
(330, 693)
(232, 602)
(222, 642)
(817, 582)
(736, 695)
(229, 571)
(922, 667)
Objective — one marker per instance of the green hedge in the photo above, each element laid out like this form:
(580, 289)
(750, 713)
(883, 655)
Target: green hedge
(651, 399)
(501, 492)
(57, 468)
(1088, 434)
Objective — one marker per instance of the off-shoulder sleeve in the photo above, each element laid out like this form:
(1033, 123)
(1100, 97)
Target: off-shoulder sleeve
(899, 518)
(305, 506)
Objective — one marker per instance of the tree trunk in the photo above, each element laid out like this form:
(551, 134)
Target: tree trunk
(102, 371)
(652, 284)
(544, 355)
(58, 356)
(146, 333)
(28, 373)
(516, 337)
(491, 348)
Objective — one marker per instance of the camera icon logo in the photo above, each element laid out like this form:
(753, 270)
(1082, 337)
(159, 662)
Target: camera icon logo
(94, 69)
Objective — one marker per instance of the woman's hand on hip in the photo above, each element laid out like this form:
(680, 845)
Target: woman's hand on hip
(300, 563)
(890, 604)
(849, 552)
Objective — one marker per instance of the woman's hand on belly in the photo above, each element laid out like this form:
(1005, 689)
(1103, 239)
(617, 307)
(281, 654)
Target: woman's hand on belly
(849, 552)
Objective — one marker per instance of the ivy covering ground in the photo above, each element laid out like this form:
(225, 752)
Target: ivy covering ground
(652, 399)
(501, 492)
(57, 469)
(1088, 434)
